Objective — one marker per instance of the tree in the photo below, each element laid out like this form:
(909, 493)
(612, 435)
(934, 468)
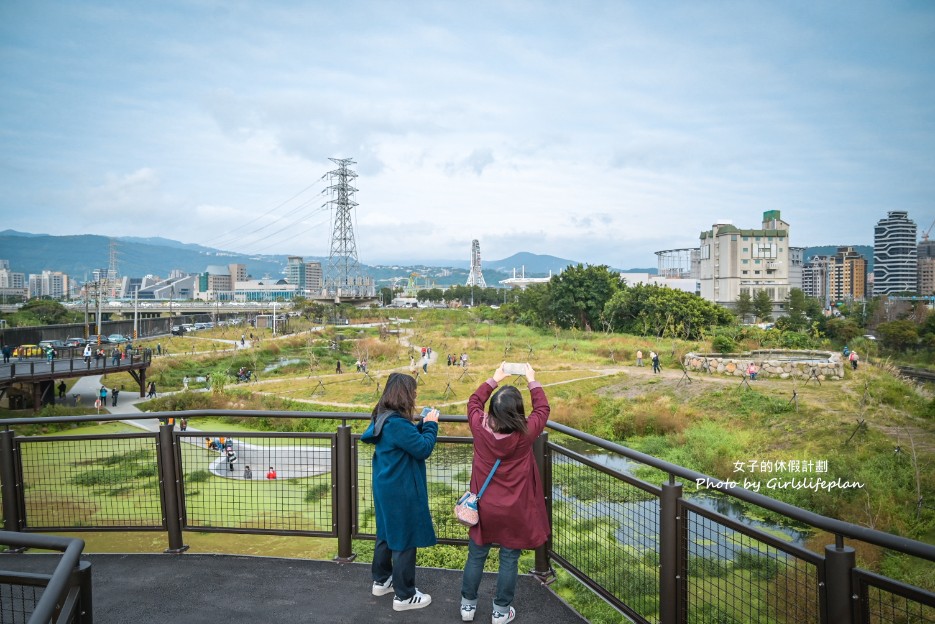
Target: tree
(578, 294)
(898, 335)
(650, 310)
(42, 312)
(796, 319)
(744, 306)
(763, 306)
(386, 295)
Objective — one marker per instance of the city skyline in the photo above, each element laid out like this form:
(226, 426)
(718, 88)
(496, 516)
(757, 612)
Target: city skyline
(600, 132)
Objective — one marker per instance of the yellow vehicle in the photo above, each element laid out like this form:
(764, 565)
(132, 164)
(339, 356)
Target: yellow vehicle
(28, 350)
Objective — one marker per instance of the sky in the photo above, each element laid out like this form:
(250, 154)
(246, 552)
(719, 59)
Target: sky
(597, 131)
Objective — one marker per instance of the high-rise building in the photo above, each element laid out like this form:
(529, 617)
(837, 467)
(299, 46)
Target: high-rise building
(734, 261)
(295, 272)
(314, 278)
(847, 276)
(52, 284)
(238, 272)
(894, 254)
(815, 279)
(926, 256)
(796, 263)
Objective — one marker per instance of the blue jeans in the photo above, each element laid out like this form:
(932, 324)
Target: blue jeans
(506, 576)
(400, 564)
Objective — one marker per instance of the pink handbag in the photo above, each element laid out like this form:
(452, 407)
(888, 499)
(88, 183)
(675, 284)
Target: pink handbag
(466, 507)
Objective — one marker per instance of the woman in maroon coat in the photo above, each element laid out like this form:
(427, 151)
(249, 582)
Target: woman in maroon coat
(512, 510)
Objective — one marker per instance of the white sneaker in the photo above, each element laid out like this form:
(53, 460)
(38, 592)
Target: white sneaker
(503, 618)
(417, 601)
(384, 588)
(467, 612)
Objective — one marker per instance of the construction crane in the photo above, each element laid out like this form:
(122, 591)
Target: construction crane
(925, 234)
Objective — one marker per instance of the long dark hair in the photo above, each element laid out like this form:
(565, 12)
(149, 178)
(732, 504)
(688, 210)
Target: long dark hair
(507, 413)
(399, 395)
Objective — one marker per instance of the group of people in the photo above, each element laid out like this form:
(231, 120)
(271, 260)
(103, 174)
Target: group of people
(653, 358)
(402, 442)
(457, 360)
(361, 366)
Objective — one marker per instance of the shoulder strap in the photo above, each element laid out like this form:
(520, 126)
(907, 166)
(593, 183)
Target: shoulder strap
(487, 480)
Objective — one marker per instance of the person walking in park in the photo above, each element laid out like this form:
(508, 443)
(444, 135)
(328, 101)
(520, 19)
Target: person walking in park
(505, 435)
(61, 389)
(853, 358)
(103, 395)
(185, 382)
(183, 424)
(752, 371)
(152, 390)
(231, 458)
(247, 473)
(655, 360)
(400, 490)
(337, 367)
(7, 352)
(114, 392)
(271, 474)
(87, 353)
(639, 358)
(158, 348)
(115, 357)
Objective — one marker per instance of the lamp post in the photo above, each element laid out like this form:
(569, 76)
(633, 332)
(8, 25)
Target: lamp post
(274, 318)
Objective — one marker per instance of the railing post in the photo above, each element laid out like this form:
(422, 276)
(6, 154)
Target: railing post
(81, 576)
(839, 564)
(11, 517)
(669, 543)
(543, 570)
(342, 481)
(168, 477)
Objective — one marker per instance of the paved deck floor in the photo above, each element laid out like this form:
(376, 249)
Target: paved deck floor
(208, 589)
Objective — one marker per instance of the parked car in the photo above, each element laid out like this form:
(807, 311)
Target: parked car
(55, 344)
(117, 338)
(28, 350)
(98, 339)
(177, 330)
(75, 342)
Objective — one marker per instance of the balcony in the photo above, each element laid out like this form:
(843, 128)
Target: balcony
(648, 551)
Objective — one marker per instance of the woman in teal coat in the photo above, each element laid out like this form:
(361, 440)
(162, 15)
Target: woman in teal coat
(400, 493)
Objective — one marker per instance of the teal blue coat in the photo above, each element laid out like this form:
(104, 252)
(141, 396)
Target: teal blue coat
(400, 493)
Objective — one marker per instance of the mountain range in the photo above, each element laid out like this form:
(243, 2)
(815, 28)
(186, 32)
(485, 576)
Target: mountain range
(79, 255)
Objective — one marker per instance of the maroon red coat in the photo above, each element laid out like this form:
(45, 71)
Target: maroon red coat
(512, 510)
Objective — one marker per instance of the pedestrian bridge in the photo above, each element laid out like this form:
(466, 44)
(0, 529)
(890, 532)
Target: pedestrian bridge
(38, 376)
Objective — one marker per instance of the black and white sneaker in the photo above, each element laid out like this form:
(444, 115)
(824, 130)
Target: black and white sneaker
(384, 588)
(417, 601)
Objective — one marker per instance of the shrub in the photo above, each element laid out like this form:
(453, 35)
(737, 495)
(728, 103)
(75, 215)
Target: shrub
(723, 344)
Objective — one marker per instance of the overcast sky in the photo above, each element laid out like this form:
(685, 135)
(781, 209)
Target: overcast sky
(595, 131)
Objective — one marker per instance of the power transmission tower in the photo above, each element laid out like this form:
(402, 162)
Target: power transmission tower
(112, 269)
(343, 277)
(476, 276)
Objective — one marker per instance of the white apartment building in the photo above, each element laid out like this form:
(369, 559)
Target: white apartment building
(734, 260)
(52, 284)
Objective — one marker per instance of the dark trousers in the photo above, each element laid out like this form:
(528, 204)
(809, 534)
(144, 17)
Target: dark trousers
(400, 564)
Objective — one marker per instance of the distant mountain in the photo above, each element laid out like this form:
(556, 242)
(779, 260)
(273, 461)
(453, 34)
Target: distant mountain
(23, 234)
(78, 256)
(536, 265)
(829, 250)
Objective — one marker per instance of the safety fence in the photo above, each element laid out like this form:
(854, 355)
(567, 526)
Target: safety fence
(653, 553)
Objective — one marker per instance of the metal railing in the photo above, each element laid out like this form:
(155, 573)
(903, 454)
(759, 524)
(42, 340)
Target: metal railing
(60, 597)
(652, 553)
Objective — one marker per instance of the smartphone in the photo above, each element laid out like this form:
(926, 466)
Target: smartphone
(514, 368)
(425, 411)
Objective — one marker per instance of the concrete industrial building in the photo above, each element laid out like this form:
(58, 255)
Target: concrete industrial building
(734, 261)
(12, 284)
(895, 266)
(815, 279)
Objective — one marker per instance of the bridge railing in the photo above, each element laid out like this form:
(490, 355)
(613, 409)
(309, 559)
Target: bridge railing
(647, 549)
(61, 596)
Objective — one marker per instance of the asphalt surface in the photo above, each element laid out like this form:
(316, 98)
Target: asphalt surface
(207, 589)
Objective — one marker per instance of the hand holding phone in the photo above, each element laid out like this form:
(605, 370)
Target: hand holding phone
(429, 414)
(514, 368)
